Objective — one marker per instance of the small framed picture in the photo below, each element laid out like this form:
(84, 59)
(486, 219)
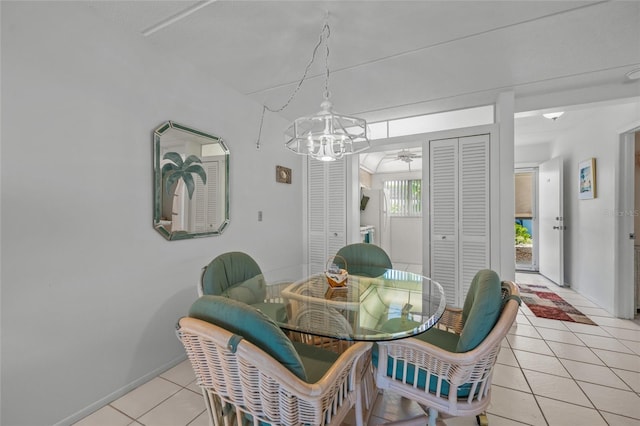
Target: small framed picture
(283, 174)
(587, 179)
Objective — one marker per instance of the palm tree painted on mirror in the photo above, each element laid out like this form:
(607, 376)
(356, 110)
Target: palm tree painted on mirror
(175, 169)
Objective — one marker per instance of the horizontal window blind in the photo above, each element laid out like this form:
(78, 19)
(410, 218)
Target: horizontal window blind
(404, 196)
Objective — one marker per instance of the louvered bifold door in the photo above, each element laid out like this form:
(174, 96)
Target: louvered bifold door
(204, 204)
(443, 211)
(336, 207)
(473, 152)
(317, 223)
(327, 211)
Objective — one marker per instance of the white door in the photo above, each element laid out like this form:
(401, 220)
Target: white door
(443, 213)
(327, 217)
(458, 220)
(551, 220)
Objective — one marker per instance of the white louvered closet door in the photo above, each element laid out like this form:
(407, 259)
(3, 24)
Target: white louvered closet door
(459, 212)
(205, 202)
(443, 202)
(327, 214)
(473, 216)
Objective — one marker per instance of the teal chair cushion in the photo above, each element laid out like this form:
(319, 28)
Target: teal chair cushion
(463, 391)
(227, 270)
(249, 291)
(275, 311)
(441, 338)
(364, 259)
(316, 361)
(434, 336)
(481, 309)
(251, 324)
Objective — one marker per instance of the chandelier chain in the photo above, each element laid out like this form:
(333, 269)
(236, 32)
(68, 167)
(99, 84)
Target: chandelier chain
(327, 94)
(322, 37)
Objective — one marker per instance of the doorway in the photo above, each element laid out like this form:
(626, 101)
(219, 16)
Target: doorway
(390, 179)
(526, 219)
(626, 276)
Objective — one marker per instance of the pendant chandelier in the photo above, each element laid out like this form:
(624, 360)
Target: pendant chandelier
(327, 135)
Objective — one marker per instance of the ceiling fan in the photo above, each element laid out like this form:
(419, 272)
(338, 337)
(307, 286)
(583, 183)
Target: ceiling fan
(407, 156)
(404, 155)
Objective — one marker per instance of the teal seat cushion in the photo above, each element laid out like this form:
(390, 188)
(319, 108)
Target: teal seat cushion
(363, 259)
(253, 292)
(251, 324)
(463, 391)
(275, 311)
(432, 335)
(443, 339)
(249, 291)
(227, 270)
(316, 361)
(481, 309)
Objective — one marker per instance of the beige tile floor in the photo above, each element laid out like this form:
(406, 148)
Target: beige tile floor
(548, 373)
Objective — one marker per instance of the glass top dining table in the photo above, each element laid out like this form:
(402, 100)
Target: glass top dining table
(390, 304)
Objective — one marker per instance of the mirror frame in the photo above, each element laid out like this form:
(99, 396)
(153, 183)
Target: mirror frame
(157, 182)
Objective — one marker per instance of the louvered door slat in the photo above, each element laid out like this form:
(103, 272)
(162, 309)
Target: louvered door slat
(474, 208)
(326, 211)
(443, 201)
(459, 212)
(212, 214)
(204, 203)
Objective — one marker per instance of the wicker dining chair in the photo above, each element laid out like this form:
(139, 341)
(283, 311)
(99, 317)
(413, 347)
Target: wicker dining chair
(440, 375)
(238, 276)
(247, 368)
(334, 322)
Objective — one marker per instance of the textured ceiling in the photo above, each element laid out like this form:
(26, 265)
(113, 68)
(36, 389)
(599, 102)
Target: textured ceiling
(391, 59)
(397, 58)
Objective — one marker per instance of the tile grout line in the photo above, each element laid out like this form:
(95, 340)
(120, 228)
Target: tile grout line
(607, 366)
(529, 384)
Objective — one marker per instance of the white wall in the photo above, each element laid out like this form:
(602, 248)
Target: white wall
(405, 240)
(532, 154)
(590, 234)
(90, 291)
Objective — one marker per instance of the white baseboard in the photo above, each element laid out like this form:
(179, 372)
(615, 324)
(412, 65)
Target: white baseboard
(77, 416)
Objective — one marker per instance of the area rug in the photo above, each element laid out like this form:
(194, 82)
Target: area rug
(544, 303)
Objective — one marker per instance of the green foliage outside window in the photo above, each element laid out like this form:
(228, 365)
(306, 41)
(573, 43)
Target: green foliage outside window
(522, 235)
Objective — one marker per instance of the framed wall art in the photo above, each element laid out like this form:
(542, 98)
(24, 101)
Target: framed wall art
(283, 174)
(587, 179)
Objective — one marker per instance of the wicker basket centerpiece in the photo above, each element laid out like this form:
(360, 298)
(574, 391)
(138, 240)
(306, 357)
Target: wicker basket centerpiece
(336, 277)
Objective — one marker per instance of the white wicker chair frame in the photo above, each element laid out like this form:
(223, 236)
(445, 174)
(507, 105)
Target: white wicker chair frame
(332, 320)
(253, 383)
(474, 367)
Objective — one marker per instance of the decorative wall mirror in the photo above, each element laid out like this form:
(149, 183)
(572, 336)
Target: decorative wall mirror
(191, 182)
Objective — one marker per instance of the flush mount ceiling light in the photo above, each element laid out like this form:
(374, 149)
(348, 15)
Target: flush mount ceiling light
(327, 135)
(553, 115)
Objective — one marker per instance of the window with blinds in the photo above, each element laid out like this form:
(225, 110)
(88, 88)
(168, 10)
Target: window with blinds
(404, 197)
